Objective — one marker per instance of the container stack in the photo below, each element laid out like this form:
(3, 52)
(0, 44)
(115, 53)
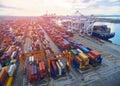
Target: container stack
(57, 68)
(59, 38)
(36, 70)
(9, 55)
(80, 60)
(82, 55)
(94, 58)
(3, 77)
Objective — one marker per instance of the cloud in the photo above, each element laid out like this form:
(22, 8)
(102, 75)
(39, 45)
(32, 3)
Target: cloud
(9, 7)
(113, 0)
(60, 7)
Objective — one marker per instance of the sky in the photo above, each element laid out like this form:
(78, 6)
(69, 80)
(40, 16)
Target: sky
(59, 7)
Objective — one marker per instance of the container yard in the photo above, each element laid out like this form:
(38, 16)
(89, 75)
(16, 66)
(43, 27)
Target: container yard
(36, 51)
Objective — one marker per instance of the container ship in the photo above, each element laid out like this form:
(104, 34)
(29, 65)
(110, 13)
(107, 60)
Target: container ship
(103, 32)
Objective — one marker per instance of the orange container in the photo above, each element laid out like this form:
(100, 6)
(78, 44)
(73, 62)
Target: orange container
(94, 53)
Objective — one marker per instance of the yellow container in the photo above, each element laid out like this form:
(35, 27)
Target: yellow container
(14, 60)
(9, 82)
(83, 56)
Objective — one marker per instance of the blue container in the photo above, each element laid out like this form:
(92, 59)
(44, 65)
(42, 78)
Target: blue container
(39, 78)
(78, 44)
(63, 71)
(53, 73)
(99, 60)
(15, 55)
(71, 42)
(35, 69)
(89, 48)
(66, 42)
(84, 49)
(91, 62)
(2, 63)
(76, 64)
(1, 52)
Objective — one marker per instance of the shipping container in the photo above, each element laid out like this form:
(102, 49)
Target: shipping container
(80, 51)
(54, 68)
(84, 49)
(95, 53)
(3, 77)
(74, 51)
(35, 69)
(9, 81)
(83, 56)
(54, 65)
(14, 55)
(41, 70)
(81, 62)
(12, 69)
(59, 68)
(1, 52)
(91, 57)
(61, 64)
(32, 58)
(9, 50)
(75, 64)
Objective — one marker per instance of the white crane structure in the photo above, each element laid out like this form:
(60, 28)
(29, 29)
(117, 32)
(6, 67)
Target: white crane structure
(87, 21)
(80, 23)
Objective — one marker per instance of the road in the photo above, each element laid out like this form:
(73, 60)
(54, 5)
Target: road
(20, 78)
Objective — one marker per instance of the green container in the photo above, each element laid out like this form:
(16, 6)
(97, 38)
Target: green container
(74, 52)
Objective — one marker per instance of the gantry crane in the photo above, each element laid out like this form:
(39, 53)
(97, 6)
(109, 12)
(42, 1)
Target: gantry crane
(24, 56)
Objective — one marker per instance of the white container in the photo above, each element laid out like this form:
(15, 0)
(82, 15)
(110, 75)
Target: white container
(13, 55)
(80, 51)
(11, 69)
(61, 64)
(9, 50)
(59, 68)
(32, 58)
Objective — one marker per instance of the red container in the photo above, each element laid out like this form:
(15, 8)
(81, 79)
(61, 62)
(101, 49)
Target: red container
(40, 68)
(54, 65)
(47, 51)
(78, 59)
(35, 77)
(71, 59)
(39, 59)
(43, 67)
(29, 77)
(3, 73)
(90, 56)
(94, 53)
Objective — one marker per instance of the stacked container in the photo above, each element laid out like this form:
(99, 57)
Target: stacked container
(54, 69)
(11, 70)
(42, 70)
(3, 77)
(32, 76)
